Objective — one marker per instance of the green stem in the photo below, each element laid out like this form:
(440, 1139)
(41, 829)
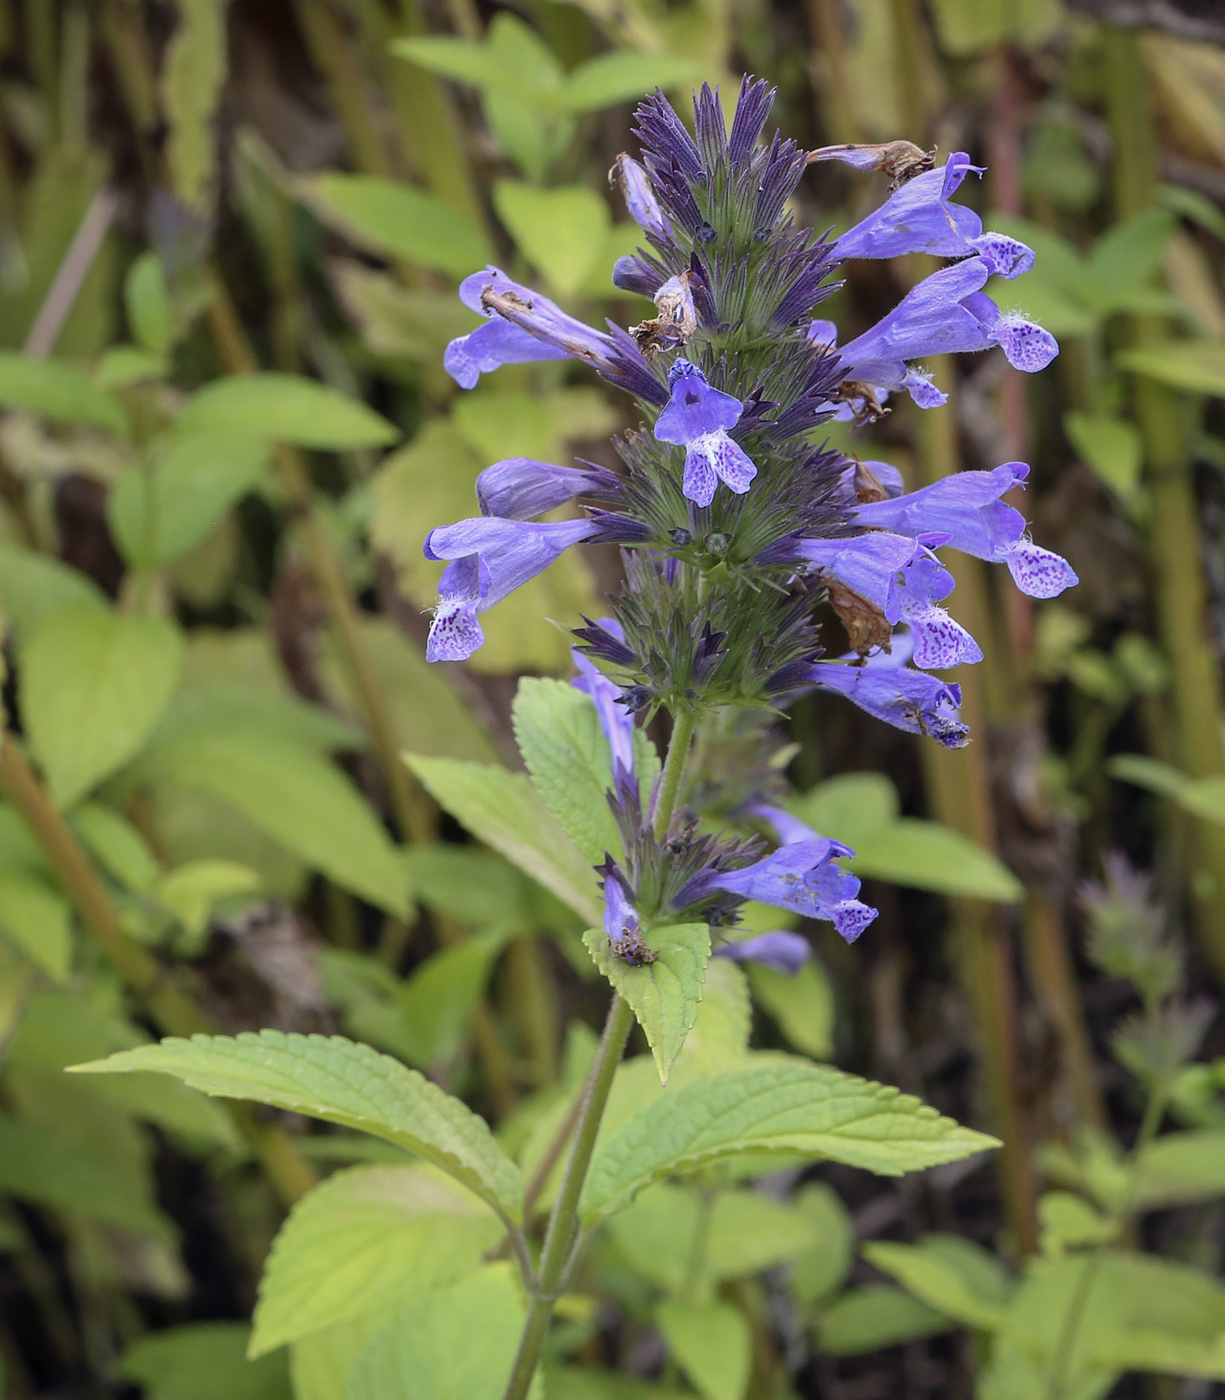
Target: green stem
(683, 723)
(563, 1222)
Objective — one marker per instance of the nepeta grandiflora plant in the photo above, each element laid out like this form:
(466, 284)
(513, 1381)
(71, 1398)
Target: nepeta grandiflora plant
(735, 521)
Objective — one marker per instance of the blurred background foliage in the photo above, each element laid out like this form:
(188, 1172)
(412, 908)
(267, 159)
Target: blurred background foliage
(229, 241)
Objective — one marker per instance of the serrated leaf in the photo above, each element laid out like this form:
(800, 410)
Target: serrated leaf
(804, 1109)
(712, 1344)
(54, 390)
(334, 1079)
(93, 685)
(367, 1242)
(299, 798)
(663, 994)
(44, 1169)
(203, 1361)
(506, 812)
(392, 218)
(559, 735)
(935, 1280)
(284, 408)
(457, 1344)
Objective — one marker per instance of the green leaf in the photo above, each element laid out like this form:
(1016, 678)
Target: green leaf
(852, 807)
(663, 994)
(505, 811)
(560, 231)
(93, 685)
(394, 219)
(477, 64)
(712, 1344)
(1197, 366)
(1204, 797)
(1111, 446)
(298, 797)
(929, 856)
(787, 1107)
(192, 76)
(970, 26)
(457, 1344)
(718, 1040)
(283, 408)
(203, 1361)
(803, 1005)
(63, 1026)
(744, 1232)
(44, 1169)
(33, 585)
(1128, 255)
(1069, 1221)
(429, 714)
(158, 513)
(367, 1242)
(1148, 773)
(874, 1317)
(54, 390)
(336, 1080)
(935, 1279)
(150, 315)
(568, 757)
(821, 1271)
(623, 76)
(321, 1364)
(1181, 1169)
(115, 842)
(191, 890)
(38, 919)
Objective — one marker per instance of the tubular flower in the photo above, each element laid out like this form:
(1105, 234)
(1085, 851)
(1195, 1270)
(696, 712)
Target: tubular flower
(922, 218)
(733, 523)
(490, 558)
(699, 417)
(780, 951)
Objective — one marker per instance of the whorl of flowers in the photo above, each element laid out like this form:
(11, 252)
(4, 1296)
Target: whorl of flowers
(735, 518)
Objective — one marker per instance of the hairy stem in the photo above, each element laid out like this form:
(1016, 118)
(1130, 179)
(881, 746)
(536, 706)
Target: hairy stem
(171, 1011)
(551, 1277)
(683, 723)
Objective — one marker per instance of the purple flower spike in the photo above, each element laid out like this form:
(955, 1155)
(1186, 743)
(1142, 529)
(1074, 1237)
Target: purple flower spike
(803, 878)
(640, 201)
(519, 488)
(864, 563)
(615, 720)
(492, 558)
(966, 508)
(909, 700)
(921, 218)
(779, 952)
(699, 417)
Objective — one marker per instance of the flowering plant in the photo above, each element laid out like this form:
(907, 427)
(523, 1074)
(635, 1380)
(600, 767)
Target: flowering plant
(736, 520)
